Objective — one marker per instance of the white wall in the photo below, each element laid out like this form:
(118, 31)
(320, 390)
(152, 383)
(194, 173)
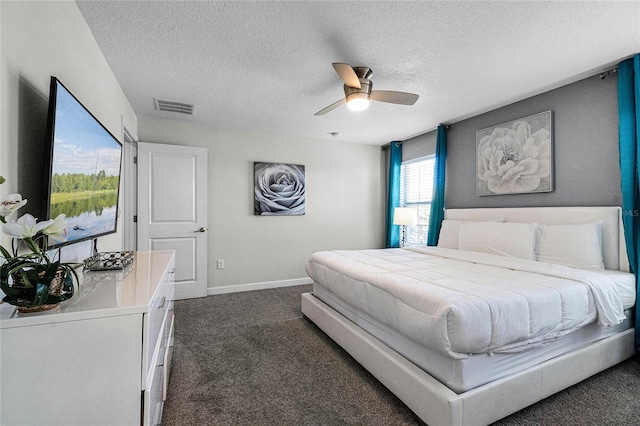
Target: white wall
(39, 39)
(344, 200)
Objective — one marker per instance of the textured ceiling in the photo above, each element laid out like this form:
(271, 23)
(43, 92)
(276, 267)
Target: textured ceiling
(266, 66)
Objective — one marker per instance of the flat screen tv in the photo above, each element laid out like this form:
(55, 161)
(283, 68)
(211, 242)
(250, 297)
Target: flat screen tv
(82, 169)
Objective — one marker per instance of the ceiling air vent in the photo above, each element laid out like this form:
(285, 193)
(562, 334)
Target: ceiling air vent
(178, 107)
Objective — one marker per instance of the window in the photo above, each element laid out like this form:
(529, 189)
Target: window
(416, 190)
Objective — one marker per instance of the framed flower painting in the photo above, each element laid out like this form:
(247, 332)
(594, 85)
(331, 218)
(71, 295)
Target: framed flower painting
(515, 157)
(279, 189)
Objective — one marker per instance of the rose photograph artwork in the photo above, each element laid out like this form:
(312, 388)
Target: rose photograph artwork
(515, 157)
(279, 189)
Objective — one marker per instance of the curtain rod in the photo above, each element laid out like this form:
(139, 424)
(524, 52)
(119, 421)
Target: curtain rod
(446, 127)
(607, 73)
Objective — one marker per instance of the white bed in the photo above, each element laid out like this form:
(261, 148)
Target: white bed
(469, 384)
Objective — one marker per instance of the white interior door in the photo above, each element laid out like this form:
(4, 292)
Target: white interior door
(172, 210)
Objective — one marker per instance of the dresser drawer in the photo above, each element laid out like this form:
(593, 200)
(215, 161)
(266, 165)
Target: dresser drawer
(153, 397)
(155, 391)
(162, 304)
(168, 354)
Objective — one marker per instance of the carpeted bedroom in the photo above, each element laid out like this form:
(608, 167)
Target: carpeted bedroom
(252, 359)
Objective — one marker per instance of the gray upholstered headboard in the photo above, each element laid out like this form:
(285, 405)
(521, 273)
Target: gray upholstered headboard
(613, 244)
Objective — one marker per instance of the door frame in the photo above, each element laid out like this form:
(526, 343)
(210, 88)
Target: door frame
(130, 188)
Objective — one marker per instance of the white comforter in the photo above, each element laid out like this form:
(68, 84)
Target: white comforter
(457, 302)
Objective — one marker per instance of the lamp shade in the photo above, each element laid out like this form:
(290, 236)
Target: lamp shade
(405, 216)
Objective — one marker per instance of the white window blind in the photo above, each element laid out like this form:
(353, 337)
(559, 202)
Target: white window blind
(416, 190)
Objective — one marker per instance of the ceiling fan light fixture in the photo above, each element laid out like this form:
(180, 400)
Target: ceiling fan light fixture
(358, 90)
(358, 101)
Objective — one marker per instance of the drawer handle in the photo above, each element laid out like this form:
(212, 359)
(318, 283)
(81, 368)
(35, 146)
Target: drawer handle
(161, 305)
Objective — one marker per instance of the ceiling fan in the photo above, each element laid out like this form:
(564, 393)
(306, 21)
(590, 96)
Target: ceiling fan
(358, 93)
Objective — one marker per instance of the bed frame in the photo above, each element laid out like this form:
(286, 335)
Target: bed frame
(436, 404)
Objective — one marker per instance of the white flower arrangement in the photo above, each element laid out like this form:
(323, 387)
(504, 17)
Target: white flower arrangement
(36, 270)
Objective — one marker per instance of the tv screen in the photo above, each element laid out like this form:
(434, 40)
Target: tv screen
(82, 174)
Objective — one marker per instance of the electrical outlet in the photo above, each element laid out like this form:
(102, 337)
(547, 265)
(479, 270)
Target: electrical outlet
(220, 264)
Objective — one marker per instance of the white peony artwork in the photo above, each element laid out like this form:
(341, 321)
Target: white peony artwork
(515, 157)
(279, 189)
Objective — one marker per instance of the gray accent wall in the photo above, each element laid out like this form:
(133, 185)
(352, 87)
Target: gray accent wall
(585, 148)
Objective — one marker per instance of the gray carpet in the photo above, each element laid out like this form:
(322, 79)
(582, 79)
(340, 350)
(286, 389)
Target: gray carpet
(251, 359)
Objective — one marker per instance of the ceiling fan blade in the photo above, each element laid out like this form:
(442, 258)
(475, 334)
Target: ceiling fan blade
(392, 97)
(347, 74)
(330, 107)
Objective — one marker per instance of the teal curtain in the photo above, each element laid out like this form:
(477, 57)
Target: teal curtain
(395, 160)
(629, 112)
(437, 202)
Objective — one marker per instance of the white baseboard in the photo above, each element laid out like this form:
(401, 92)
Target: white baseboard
(257, 286)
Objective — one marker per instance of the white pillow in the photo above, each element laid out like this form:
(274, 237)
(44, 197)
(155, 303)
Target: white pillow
(448, 237)
(579, 246)
(504, 239)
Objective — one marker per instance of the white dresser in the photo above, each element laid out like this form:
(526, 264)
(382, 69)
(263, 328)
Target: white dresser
(100, 358)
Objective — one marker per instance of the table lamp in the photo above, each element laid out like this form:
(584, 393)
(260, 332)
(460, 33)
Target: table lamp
(404, 216)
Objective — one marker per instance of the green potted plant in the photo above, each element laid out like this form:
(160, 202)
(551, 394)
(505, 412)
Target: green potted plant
(31, 280)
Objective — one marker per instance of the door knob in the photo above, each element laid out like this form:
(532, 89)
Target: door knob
(201, 230)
